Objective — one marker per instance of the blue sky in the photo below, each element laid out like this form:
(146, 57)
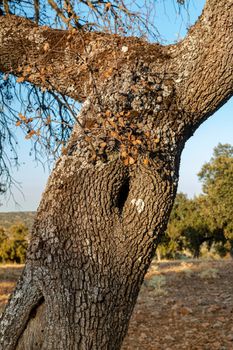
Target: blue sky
(198, 150)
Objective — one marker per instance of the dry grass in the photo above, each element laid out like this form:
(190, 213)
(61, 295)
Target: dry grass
(9, 275)
(184, 305)
(189, 267)
(155, 278)
(209, 273)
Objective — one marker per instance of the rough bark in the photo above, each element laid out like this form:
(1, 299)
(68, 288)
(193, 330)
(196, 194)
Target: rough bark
(205, 62)
(92, 243)
(96, 228)
(71, 62)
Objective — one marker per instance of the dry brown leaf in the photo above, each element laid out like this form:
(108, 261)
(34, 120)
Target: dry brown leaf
(114, 134)
(30, 134)
(64, 150)
(22, 117)
(27, 69)
(108, 73)
(134, 88)
(124, 154)
(121, 122)
(112, 123)
(20, 80)
(108, 6)
(131, 161)
(137, 142)
(93, 157)
(46, 47)
(103, 144)
(87, 138)
(108, 113)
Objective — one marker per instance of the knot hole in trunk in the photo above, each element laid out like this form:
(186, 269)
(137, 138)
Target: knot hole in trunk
(122, 195)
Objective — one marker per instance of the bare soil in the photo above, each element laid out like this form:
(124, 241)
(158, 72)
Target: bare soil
(192, 310)
(182, 305)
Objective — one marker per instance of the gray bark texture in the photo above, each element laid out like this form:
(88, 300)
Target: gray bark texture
(110, 194)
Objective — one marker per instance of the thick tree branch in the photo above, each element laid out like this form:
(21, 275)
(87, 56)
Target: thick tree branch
(71, 62)
(205, 61)
(26, 296)
(51, 59)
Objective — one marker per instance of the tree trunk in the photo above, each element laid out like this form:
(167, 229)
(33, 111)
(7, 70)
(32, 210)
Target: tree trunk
(93, 240)
(110, 194)
(196, 253)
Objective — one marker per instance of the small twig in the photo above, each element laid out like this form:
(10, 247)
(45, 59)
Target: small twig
(37, 11)
(59, 12)
(6, 6)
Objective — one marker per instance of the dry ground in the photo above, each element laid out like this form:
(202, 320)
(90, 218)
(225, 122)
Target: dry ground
(182, 306)
(8, 277)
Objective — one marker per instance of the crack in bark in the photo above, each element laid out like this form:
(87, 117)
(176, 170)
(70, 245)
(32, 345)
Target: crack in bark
(31, 337)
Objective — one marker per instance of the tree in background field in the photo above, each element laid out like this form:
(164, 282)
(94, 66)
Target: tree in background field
(13, 243)
(188, 228)
(217, 200)
(187, 225)
(109, 197)
(206, 218)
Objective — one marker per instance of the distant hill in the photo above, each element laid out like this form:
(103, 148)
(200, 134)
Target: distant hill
(11, 218)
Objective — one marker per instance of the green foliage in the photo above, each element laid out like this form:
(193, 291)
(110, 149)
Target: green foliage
(217, 201)
(207, 218)
(13, 243)
(187, 228)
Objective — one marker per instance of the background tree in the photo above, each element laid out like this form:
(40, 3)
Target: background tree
(209, 216)
(217, 201)
(173, 241)
(188, 228)
(109, 197)
(14, 243)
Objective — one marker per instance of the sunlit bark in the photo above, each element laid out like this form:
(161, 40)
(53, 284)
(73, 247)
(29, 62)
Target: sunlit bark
(98, 222)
